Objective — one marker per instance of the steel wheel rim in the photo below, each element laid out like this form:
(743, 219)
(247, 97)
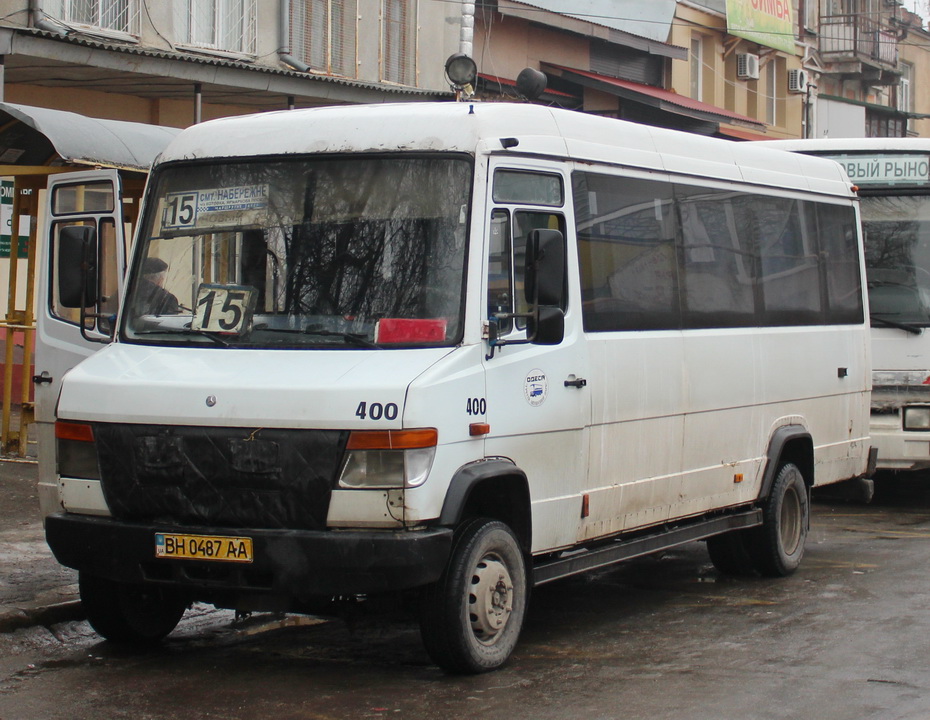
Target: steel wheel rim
(790, 521)
(490, 599)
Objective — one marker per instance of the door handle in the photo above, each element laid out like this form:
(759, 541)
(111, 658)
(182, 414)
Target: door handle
(43, 378)
(576, 382)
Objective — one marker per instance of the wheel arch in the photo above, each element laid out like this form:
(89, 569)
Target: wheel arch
(789, 443)
(493, 488)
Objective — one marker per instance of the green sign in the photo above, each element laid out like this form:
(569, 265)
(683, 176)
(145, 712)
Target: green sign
(766, 22)
(6, 223)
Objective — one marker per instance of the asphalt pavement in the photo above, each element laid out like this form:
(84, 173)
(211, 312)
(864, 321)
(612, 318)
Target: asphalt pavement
(34, 588)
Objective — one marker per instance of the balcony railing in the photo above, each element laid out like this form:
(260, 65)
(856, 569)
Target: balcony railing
(858, 38)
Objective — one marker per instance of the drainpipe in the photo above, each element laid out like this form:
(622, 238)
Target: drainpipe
(40, 19)
(467, 34)
(284, 39)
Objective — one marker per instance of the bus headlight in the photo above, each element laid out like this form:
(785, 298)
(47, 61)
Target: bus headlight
(917, 418)
(388, 458)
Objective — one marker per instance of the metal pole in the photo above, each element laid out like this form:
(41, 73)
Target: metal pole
(27, 414)
(198, 103)
(12, 318)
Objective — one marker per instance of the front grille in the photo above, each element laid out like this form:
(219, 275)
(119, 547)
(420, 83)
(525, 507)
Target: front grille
(223, 477)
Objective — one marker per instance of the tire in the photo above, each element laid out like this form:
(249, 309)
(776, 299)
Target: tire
(130, 614)
(471, 618)
(778, 545)
(730, 553)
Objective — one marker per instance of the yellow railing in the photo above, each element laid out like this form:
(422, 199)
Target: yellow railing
(14, 441)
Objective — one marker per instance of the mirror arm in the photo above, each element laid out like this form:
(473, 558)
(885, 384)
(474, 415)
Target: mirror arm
(493, 341)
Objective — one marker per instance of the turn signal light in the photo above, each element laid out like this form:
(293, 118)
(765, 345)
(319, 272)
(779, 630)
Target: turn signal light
(74, 431)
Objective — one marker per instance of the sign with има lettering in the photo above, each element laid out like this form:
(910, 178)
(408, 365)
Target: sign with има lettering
(766, 22)
(6, 223)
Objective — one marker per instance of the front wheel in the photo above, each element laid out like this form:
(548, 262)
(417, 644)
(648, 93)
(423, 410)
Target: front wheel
(471, 618)
(131, 614)
(778, 545)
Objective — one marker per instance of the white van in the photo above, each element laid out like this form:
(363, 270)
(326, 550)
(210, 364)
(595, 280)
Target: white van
(893, 176)
(454, 350)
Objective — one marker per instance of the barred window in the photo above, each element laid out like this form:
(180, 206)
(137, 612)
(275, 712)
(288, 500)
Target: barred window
(398, 42)
(218, 24)
(115, 15)
(324, 35)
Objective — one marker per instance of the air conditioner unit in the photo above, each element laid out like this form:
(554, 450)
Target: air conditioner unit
(797, 81)
(747, 66)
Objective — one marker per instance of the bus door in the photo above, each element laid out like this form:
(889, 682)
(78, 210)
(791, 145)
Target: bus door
(92, 200)
(538, 401)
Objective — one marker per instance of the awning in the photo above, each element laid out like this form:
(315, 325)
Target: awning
(38, 136)
(657, 98)
(874, 107)
(654, 19)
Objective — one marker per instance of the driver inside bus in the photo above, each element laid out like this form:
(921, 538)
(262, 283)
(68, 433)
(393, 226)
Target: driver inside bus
(153, 298)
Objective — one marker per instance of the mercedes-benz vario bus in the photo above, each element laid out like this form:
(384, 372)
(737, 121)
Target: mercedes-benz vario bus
(450, 352)
(893, 177)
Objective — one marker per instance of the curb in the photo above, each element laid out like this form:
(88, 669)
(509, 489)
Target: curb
(18, 618)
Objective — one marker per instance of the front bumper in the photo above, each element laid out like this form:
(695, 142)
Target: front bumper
(296, 564)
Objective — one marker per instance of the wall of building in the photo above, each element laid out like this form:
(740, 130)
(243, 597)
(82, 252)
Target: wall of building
(503, 46)
(915, 50)
(719, 83)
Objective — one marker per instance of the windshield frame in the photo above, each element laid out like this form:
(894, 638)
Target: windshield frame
(325, 339)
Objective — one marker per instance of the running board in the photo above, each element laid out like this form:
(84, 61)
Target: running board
(580, 561)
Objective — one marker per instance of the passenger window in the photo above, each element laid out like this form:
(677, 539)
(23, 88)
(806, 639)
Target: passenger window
(108, 278)
(507, 258)
(83, 198)
(528, 188)
(626, 247)
(500, 273)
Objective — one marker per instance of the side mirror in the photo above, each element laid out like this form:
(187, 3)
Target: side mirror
(77, 266)
(546, 326)
(544, 277)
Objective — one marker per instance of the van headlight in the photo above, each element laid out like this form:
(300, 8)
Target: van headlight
(917, 418)
(77, 451)
(388, 458)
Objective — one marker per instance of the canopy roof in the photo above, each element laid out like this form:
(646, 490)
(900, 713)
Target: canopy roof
(33, 136)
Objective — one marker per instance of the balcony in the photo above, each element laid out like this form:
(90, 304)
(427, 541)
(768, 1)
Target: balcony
(855, 43)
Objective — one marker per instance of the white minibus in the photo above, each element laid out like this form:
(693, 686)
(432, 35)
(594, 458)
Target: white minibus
(893, 177)
(449, 352)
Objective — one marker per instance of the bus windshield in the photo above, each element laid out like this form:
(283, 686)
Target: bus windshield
(348, 252)
(897, 251)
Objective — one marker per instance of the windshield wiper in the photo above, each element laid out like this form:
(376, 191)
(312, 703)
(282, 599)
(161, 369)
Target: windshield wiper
(907, 327)
(349, 338)
(186, 331)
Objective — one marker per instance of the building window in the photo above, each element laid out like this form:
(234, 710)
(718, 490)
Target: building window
(905, 98)
(227, 25)
(810, 16)
(398, 41)
(324, 35)
(880, 124)
(697, 66)
(776, 90)
(114, 15)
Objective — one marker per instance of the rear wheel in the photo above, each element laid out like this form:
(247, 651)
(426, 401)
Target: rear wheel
(778, 545)
(129, 613)
(471, 618)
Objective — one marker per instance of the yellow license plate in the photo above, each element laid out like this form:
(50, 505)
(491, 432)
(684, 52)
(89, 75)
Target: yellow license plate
(203, 547)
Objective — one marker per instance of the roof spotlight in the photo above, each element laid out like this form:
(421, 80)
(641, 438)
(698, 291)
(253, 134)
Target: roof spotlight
(462, 73)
